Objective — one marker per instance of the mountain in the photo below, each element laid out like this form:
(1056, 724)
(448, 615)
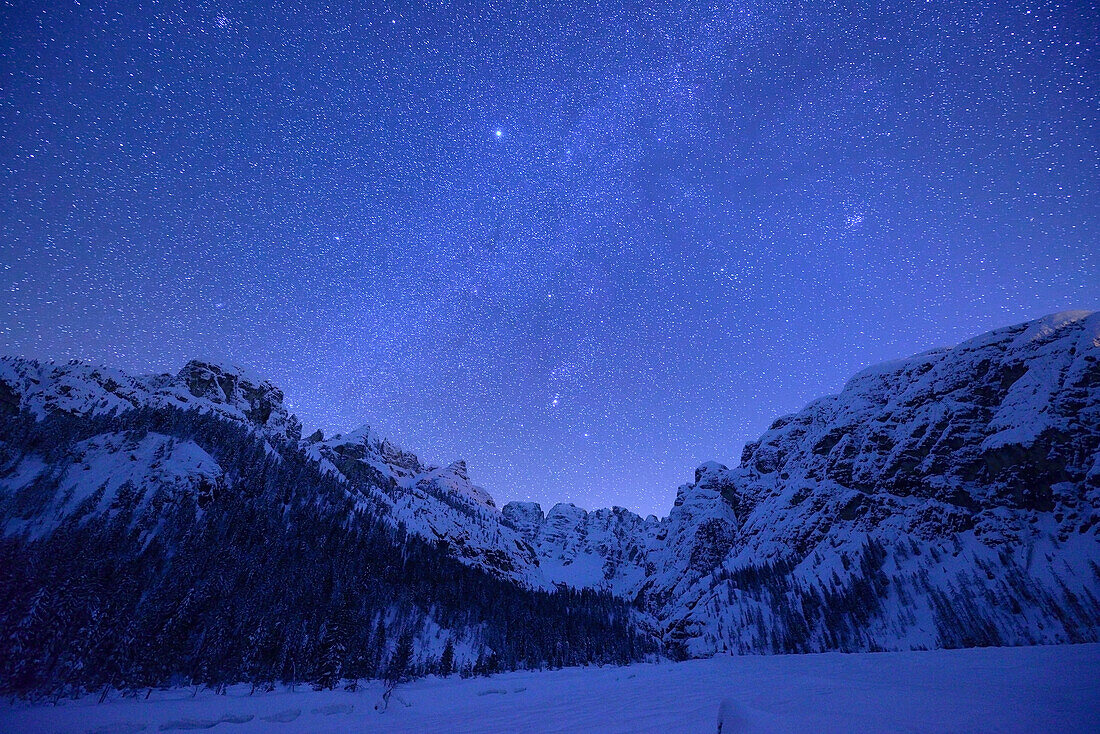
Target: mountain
(438, 504)
(77, 388)
(175, 529)
(948, 499)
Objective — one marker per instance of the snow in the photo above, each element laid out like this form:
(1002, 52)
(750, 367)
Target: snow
(109, 461)
(154, 461)
(603, 549)
(924, 455)
(455, 480)
(1029, 689)
(80, 388)
(436, 503)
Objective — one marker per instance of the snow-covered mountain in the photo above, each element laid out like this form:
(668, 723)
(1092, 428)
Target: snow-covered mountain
(961, 486)
(90, 475)
(79, 388)
(439, 504)
(948, 499)
(436, 503)
(176, 528)
(605, 549)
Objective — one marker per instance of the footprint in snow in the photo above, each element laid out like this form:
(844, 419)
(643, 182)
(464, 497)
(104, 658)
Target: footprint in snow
(335, 708)
(731, 717)
(190, 724)
(241, 719)
(283, 717)
(123, 727)
(490, 691)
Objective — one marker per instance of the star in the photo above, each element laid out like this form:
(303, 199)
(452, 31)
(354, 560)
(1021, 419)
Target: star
(675, 186)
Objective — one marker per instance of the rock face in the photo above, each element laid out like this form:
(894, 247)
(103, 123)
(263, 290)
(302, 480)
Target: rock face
(1004, 420)
(948, 499)
(952, 498)
(437, 503)
(936, 499)
(603, 549)
(526, 517)
(79, 388)
(983, 439)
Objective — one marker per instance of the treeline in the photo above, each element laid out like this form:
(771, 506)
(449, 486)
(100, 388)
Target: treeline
(995, 601)
(781, 614)
(277, 574)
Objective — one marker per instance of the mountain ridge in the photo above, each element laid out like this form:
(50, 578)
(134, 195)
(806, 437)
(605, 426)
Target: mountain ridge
(209, 372)
(947, 499)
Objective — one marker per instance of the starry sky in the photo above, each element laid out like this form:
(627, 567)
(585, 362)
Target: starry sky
(585, 246)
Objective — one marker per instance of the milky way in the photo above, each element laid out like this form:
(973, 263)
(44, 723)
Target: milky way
(584, 247)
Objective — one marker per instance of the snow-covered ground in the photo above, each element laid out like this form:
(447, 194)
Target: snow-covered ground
(1036, 689)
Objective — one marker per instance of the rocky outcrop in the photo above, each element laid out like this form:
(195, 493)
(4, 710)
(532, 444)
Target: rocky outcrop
(947, 499)
(1008, 422)
(440, 504)
(526, 517)
(79, 388)
(260, 402)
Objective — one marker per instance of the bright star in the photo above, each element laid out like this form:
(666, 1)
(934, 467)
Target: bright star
(499, 133)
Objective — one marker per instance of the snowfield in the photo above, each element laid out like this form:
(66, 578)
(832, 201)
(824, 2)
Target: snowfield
(1024, 689)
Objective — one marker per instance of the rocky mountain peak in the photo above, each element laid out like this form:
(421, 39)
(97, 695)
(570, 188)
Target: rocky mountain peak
(260, 402)
(857, 521)
(81, 388)
(526, 517)
(710, 469)
(458, 470)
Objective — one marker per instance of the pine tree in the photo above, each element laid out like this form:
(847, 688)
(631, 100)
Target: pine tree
(447, 662)
(255, 585)
(377, 649)
(332, 658)
(398, 669)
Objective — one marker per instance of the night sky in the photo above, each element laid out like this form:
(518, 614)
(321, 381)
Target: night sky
(585, 247)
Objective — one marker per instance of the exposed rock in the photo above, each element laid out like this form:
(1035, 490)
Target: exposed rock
(80, 388)
(951, 498)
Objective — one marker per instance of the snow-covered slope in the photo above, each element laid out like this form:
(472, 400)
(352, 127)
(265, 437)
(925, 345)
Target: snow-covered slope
(947, 499)
(105, 471)
(436, 503)
(80, 388)
(602, 549)
(952, 498)
(101, 471)
(1025, 690)
(144, 545)
(618, 550)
